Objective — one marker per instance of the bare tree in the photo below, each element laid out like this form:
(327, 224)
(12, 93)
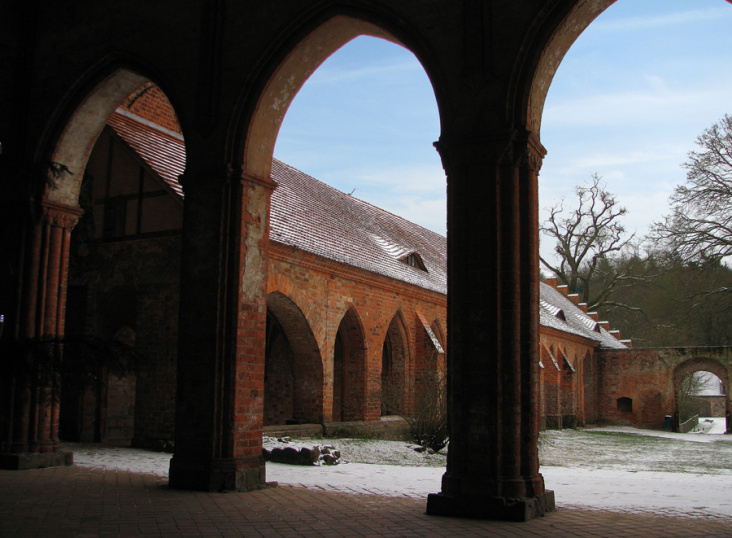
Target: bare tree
(592, 247)
(699, 227)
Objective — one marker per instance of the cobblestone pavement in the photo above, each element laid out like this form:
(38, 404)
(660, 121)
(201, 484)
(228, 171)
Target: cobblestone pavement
(78, 501)
(123, 492)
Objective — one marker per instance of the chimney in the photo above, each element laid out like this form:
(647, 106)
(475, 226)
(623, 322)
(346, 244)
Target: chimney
(594, 316)
(563, 289)
(605, 325)
(574, 297)
(583, 306)
(616, 333)
(551, 281)
(627, 343)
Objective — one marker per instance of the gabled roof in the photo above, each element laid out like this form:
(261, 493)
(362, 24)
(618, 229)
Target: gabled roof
(575, 321)
(313, 217)
(163, 150)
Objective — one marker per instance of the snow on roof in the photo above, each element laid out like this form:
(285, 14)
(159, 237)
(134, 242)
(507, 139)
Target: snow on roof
(576, 320)
(316, 218)
(319, 219)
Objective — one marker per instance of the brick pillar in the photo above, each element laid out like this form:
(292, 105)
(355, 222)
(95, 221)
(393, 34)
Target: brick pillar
(220, 394)
(493, 319)
(32, 421)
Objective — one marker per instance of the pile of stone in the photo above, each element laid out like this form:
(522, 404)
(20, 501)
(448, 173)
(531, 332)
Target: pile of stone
(284, 450)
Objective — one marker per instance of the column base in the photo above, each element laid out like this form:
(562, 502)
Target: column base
(218, 475)
(488, 507)
(35, 460)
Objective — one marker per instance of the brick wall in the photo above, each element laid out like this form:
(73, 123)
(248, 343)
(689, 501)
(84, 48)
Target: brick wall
(150, 103)
(349, 315)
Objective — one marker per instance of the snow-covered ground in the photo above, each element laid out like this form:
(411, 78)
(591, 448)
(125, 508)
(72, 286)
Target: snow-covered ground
(623, 469)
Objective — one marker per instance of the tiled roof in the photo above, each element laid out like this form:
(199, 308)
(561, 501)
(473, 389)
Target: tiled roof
(316, 218)
(319, 219)
(162, 150)
(553, 304)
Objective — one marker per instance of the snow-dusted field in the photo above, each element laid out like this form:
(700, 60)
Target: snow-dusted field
(622, 469)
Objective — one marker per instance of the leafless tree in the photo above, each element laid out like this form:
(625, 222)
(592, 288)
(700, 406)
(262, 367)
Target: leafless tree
(699, 228)
(592, 246)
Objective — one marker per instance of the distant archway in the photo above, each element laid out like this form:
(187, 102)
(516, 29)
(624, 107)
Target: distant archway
(394, 368)
(349, 370)
(687, 403)
(293, 380)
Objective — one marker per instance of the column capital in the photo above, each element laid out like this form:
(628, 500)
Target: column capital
(61, 215)
(518, 147)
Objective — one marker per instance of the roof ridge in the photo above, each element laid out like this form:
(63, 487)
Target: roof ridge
(127, 114)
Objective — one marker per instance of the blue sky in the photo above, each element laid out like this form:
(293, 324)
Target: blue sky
(628, 101)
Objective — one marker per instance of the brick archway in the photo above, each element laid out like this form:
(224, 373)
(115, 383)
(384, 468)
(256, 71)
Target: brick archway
(71, 152)
(35, 409)
(282, 86)
(349, 370)
(293, 366)
(395, 368)
(700, 364)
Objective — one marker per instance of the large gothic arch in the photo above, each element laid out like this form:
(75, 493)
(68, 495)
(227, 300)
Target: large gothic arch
(330, 31)
(222, 64)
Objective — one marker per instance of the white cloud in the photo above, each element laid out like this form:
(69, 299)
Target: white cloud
(661, 20)
(659, 102)
(383, 71)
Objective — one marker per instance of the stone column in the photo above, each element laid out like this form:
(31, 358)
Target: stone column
(493, 337)
(223, 308)
(31, 434)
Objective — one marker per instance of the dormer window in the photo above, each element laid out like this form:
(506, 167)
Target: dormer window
(413, 260)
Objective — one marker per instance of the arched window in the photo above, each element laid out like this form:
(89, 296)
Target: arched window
(625, 405)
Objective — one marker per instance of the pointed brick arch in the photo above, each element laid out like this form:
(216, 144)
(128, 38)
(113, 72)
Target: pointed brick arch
(349, 370)
(71, 152)
(44, 292)
(395, 367)
(290, 76)
(293, 366)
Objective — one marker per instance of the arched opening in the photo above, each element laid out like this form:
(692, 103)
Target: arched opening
(701, 398)
(701, 389)
(394, 369)
(349, 370)
(624, 405)
(552, 389)
(623, 89)
(293, 375)
(309, 80)
(124, 268)
(568, 383)
(71, 152)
